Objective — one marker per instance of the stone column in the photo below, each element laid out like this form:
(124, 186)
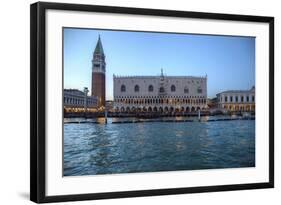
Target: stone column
(85, 99)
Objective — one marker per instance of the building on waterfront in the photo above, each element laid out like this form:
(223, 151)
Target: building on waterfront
(212, 103)
(237, 100)
(109, 105)
(98, 74)
(78, 101)
(159, 93)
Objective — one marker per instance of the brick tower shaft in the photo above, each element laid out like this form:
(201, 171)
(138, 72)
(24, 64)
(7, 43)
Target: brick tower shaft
(98, 87)
(98, 74)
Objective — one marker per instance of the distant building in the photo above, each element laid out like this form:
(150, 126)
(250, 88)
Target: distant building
(109, 105)
(77, 101)
(237, 100)
(159, 93)
(98, 74)
(212, 103)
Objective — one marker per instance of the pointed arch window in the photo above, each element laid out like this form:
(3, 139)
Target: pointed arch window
(173, 88)
(137, 88)
(199, 90)
(123, 88)
(186, 90)
(150, 88)
(161, 90)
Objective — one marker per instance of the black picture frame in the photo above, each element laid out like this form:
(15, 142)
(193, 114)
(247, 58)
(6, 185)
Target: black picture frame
(38, 101)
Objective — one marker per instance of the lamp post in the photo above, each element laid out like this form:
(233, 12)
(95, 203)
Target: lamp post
(85, 100)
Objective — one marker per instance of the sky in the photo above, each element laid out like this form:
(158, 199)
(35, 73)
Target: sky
(228, 61)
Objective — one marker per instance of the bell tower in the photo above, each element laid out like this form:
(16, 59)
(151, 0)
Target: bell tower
(98, 74)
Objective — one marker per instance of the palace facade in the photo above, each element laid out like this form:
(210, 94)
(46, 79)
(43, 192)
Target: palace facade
(159, 93)
(237, 100)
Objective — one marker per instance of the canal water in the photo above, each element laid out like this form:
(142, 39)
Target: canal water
(91, 149)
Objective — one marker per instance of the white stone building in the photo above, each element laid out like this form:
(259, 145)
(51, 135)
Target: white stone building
(77, 101)
(159, 93)
(237, 100)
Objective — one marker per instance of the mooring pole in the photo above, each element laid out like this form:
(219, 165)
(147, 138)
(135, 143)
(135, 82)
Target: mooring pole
(105, 116)
(199, 115)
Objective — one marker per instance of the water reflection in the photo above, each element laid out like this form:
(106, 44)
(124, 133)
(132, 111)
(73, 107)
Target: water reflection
(91, 148)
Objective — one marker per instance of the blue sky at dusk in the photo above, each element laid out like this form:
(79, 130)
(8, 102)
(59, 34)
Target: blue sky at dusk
(229, 62)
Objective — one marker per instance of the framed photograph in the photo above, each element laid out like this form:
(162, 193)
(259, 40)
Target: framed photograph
(129, 102)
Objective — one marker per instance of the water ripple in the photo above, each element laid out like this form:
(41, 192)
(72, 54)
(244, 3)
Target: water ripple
(159, 146)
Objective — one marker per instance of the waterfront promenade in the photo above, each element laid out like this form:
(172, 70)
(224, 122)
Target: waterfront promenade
(101, 120)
